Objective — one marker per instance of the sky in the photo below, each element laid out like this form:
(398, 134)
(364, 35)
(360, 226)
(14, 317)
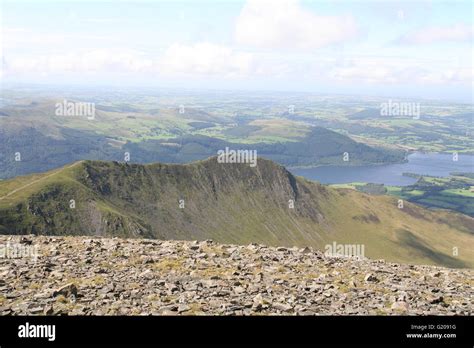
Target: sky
(418, 49)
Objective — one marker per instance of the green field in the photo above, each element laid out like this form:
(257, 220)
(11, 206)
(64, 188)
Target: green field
(455, 192)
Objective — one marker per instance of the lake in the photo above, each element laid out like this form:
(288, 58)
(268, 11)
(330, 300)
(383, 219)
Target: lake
(433, 164)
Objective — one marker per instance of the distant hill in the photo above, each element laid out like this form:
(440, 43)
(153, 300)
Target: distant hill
(46, 141)
(365, 114)
(321, 147)
(229, 203)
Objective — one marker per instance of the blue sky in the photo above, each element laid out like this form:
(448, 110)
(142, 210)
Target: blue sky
(420, 49)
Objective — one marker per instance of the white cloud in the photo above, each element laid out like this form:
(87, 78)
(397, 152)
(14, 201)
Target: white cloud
(380, 70)
(286, 24)
(428, 35)
(99, 60)
(200, 59)
(206, 59)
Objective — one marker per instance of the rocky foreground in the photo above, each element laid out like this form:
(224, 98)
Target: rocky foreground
(83, 276)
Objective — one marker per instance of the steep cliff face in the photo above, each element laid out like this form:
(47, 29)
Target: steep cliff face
(202, 200)
(229, 203)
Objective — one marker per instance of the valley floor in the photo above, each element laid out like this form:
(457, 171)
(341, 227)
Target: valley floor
(84, 276)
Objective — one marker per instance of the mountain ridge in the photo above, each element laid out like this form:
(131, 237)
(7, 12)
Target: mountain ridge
(231, 203)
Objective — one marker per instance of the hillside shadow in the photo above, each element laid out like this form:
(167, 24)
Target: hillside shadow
(408, 239)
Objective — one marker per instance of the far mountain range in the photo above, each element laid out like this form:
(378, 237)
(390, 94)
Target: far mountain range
(34, 139)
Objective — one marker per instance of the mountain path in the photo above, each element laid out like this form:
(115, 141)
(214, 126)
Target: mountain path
(36, 181)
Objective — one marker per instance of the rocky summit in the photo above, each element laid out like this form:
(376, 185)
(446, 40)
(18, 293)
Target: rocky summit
(97, 276)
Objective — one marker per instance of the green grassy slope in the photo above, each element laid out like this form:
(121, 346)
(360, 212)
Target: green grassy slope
(230, 203)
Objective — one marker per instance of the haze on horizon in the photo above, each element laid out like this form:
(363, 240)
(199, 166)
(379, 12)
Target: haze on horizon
(420, 49)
